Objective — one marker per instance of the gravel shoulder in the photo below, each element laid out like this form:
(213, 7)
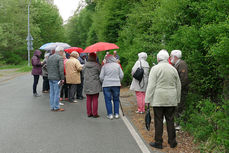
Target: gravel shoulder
(185, 140)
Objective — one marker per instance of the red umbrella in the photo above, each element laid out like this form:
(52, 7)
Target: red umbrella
(70, 50)
(100, 46)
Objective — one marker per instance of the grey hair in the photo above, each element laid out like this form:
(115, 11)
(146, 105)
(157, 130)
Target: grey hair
(163, 55)
(59, 49)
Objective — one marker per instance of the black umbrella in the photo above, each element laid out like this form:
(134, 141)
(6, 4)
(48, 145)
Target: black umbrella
(148, 118)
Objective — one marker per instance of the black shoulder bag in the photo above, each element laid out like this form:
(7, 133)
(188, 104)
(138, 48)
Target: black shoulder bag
(138, 74)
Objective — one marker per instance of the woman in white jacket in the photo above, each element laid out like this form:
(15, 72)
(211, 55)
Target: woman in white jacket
(140, 88)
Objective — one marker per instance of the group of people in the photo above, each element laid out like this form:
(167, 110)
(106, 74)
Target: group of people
(67, 78)
(165, 88)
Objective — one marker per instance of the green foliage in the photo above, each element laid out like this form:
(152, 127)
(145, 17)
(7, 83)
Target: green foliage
(208, 122)
(45, 26)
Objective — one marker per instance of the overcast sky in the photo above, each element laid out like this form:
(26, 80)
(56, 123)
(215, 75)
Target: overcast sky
(66, 7)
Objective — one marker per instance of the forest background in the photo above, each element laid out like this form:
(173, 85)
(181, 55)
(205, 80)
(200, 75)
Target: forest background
(199, 28)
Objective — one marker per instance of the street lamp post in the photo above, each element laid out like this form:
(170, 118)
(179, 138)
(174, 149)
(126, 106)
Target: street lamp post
(29, 37)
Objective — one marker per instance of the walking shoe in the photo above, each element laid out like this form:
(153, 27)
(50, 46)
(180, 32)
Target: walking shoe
(178, 127)
(36, 95)
(96, 116)
(110, 117)
(89, 115)
(173, 145)
(155, 145)
(116, 116)
(74, 101)
(61, 99)
(138, 112)
(59, 110)
(61, 104)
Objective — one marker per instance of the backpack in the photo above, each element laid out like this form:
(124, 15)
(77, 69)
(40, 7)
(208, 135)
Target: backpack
(139, 73)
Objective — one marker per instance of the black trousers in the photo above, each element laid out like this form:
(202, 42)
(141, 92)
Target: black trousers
(35, 82)
(72, 92)
(80, 87)
(181, 106)
(45, 83)
(64, 92)
(159, 113)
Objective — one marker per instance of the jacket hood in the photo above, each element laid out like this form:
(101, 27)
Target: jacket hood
(37, 53)
(110, 59)
(142, 56)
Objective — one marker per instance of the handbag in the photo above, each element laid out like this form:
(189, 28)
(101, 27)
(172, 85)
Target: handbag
(138, 74)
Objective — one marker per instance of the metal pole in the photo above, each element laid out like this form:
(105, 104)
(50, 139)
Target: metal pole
(28, 37)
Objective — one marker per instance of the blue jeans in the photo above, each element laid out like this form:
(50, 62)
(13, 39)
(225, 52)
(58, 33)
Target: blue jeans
(54, 94)
(109, 94)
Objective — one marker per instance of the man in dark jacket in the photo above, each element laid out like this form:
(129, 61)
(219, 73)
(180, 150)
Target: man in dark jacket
(182, 70)
(82, 59)
(55, 67)
(36, 71)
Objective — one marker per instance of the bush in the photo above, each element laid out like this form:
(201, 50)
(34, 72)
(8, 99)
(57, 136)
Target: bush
(208, 123)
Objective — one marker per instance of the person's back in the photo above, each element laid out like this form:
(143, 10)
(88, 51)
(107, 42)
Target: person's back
(111, 74)
(55, 67)
(166, 85)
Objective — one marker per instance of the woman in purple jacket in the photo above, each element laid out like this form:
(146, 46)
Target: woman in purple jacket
(36, 71)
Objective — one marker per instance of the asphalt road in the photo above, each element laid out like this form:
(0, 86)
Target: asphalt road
(28, 126)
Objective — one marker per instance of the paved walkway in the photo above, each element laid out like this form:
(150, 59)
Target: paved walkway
(28, 126)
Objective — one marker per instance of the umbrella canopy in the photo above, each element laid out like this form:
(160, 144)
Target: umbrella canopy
(45, 45)
(70, 50)
(100, 46)
(148, 119)
(52, 46)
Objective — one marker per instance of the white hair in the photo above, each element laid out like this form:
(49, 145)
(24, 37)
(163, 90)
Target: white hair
(176, 53)
(162, 55)
(59, 49)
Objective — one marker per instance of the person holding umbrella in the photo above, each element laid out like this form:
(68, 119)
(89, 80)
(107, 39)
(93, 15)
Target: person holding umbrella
(163, 93)
(92, 85)
(111, 76)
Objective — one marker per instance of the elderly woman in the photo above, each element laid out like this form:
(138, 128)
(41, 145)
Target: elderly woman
(73, 68)
(140, 87)
(92, 85)
(45, 74)
(36, 71)
(111, 76)
(163, 93)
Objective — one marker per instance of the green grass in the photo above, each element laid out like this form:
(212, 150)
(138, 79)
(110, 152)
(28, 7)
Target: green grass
(10, 67)
(25, 69)
(20, 68)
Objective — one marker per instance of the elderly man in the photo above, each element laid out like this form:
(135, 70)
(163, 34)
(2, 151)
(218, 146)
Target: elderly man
(182, 70)
(55, 67)
(73, 68)
(163, 93)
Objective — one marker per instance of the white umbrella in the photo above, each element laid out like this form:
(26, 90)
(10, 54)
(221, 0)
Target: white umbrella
(52, 46)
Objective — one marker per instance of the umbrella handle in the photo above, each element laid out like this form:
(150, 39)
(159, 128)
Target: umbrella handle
(148, 106)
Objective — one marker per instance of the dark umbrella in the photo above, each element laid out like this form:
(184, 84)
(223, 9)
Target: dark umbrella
(148, 118)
